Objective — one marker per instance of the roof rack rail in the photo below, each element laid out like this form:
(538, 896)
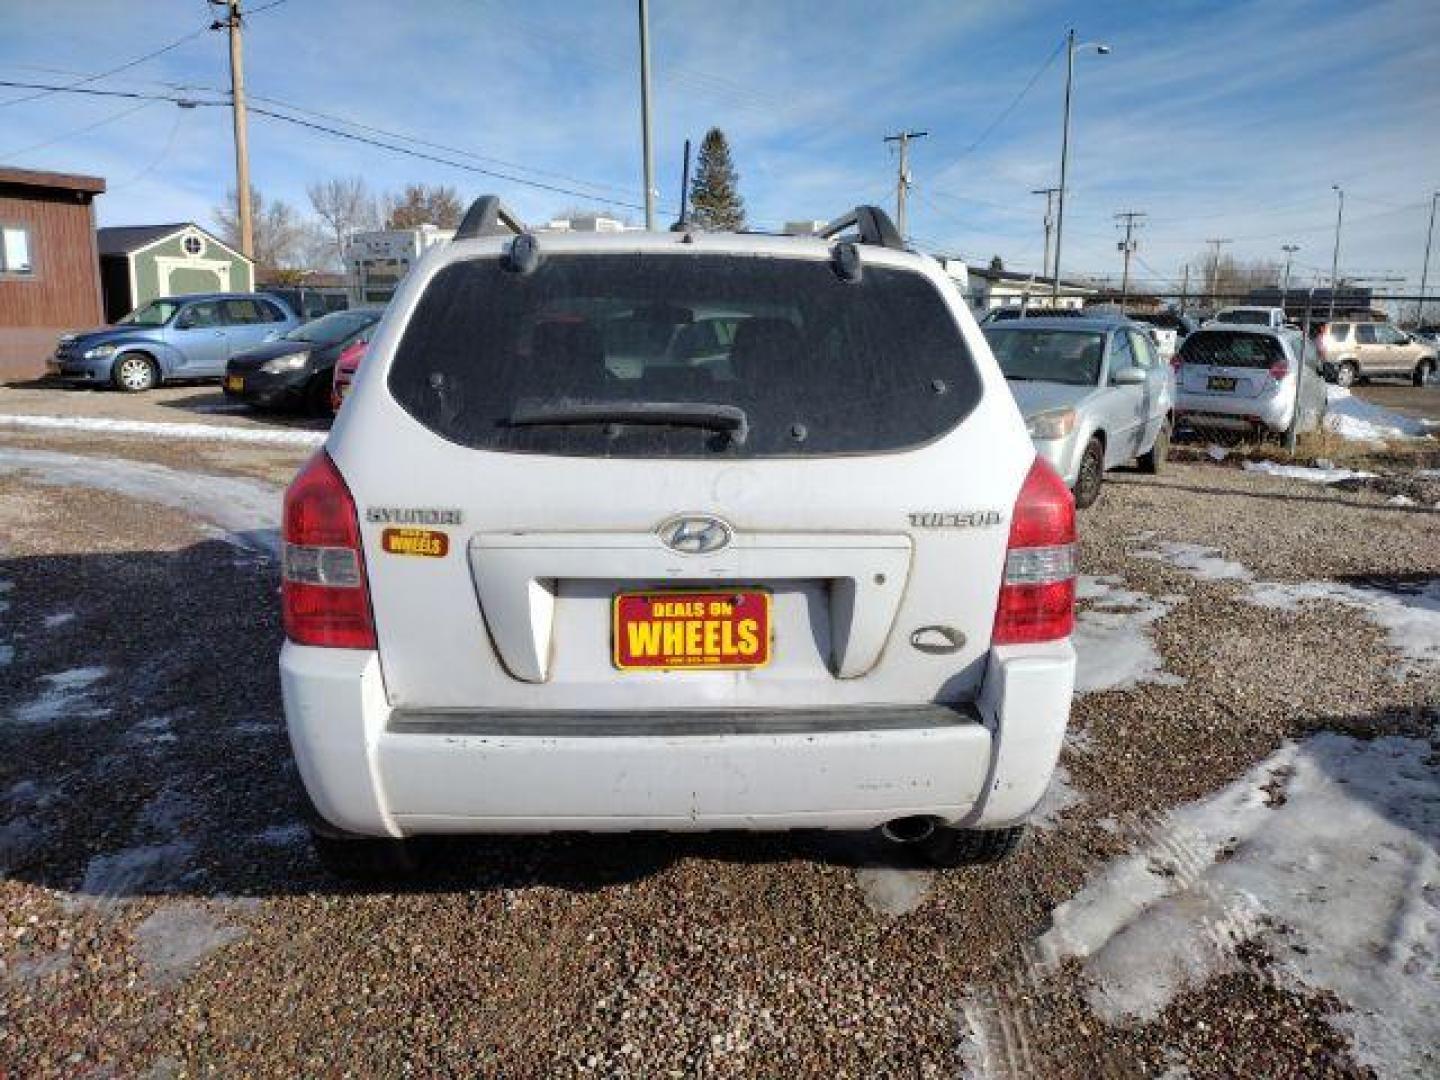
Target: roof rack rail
(488, 216)
(872, 225)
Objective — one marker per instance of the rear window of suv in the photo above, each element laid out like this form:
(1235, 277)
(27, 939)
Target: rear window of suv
(580, 357)
(1223, 348)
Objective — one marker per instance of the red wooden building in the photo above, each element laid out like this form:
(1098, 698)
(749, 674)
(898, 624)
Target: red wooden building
(49, 266)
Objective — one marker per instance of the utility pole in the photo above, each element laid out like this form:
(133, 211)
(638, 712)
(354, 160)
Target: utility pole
(1425, 272)
(1289, 250)
(1212, 281)
(1049, 193)
(1130, 217)
(233, 22)
(648, 152)
(1184, 288)
(1335, 259)
(902, 183)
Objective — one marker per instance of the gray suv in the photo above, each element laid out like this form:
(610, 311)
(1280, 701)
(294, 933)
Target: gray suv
(174, 338)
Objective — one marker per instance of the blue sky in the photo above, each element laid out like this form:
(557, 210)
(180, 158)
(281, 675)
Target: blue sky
(1218, 119)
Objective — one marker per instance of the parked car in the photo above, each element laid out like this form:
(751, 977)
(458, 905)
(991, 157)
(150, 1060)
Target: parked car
(346, 364)
(1249, 379)
(178, 338)
(1353, 351)
(1005, 314)
(298, 368)
(825, 583)
(1272, 317)
(1093, 392)
(311, 303)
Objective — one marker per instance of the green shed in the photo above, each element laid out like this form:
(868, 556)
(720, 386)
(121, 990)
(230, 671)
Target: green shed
(140, 262)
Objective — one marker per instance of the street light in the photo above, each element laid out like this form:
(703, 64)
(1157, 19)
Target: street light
(1335, 259)
(1425, 272)
(1070, 49)
(1289, 250)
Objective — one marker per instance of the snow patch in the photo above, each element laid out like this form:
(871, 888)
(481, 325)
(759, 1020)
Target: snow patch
(134, 871)
(1060, 797)
(1204, 563)
(1410, 616)
(215, 432)
(1315, 475)
(1326, 852)
(247, 511)
(174, 940)
(888, 891)
(1351, 418)
(1113, 637)
(59, 619)
(67, 698)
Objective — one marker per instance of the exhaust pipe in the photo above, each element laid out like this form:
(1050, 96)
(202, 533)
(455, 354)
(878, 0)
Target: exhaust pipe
(908, 830)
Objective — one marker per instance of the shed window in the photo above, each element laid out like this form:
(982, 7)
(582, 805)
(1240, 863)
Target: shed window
(15, 251)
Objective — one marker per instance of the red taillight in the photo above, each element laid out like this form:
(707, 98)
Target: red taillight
(323, 591)
(1037, 597)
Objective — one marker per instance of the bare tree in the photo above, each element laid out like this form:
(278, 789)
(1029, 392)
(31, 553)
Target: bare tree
(346, 207)
(1229, 276)
(277, 230)
(423, 204)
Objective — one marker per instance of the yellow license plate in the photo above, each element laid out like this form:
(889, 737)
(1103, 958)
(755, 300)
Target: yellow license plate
(711, 630)
(235, 383)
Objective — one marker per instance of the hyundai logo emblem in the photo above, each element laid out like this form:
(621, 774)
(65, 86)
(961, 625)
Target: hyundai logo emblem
(698, 535)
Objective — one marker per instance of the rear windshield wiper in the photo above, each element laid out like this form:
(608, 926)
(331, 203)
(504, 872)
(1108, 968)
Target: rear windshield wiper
(730, 419)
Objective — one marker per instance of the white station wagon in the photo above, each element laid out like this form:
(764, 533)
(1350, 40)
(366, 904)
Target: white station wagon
(676, 531)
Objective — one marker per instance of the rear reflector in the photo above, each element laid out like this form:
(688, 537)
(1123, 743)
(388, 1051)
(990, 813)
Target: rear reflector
(324, 596)
(1037, 598)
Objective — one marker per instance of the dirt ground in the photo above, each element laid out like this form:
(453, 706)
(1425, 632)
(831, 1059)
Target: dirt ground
(161, 914)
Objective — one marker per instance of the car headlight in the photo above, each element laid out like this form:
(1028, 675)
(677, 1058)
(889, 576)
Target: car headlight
(99, 350)
(293, 362)
(1054, 424)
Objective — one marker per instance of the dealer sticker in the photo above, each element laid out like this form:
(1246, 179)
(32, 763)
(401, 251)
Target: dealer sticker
(427, 542)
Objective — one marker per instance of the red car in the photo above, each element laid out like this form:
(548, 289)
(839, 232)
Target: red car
(345, 368)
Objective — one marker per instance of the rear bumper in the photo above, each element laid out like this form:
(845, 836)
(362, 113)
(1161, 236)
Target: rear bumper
(1215, 410)
(378, 771)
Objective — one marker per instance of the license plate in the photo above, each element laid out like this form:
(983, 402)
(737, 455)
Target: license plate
(235, 383)
(718, 630)
(1220, 382)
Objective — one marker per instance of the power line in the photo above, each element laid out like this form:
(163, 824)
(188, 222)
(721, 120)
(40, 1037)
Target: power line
(128, 111)
(1004, 113)
(47, 91)
(338, 133)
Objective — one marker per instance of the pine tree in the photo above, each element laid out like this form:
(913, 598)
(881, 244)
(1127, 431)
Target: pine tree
(715, 193)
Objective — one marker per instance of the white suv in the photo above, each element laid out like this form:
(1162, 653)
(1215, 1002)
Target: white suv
(675, 531)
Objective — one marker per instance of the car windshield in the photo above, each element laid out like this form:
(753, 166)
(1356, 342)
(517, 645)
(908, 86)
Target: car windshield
(1241, 317)
(660, 355)
(333, 328)
(1224, 348)
(1060, 356)
(155, 313)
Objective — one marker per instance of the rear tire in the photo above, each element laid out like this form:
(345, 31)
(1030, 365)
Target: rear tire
(1347, 374)
(1423, 371)
(1092, 474)
(364, 858)
(134, 373)
(947, 847)
(1153, 461)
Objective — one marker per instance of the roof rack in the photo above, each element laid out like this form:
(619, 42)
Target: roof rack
(871, 224)
(488, 216)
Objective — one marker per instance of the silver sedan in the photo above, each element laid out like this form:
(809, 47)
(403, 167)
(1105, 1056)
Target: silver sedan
(1093, 392)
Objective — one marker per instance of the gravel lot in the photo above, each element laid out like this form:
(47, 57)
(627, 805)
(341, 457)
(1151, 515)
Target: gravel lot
(160, 914)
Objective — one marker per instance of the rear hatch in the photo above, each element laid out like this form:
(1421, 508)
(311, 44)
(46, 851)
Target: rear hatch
(670, 479)
(1230, 363)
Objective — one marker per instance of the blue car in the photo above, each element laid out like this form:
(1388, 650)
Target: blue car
(172, 339)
